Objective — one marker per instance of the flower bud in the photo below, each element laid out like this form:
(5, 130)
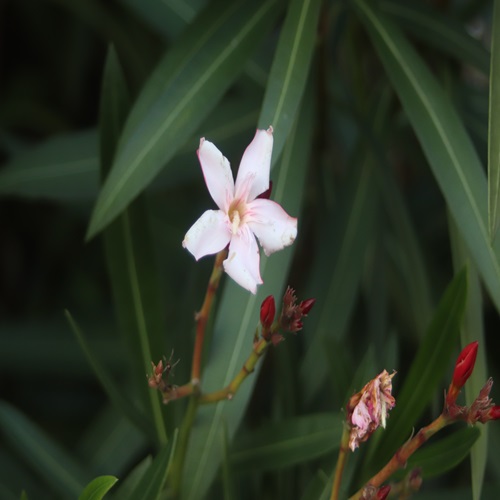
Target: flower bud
(306, 306)
(383, 492)
(267, 312)
(465, 364)
(493, 413)
(463, 370)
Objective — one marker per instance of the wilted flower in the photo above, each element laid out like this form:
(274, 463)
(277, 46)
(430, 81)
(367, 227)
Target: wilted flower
(242, 214)
(367, 410)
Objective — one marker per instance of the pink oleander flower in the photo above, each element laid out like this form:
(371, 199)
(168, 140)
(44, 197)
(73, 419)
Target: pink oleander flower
(368, 409)
(242, 214)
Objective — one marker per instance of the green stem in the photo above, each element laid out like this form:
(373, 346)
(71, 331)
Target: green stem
(203, 315)
(341, 461)
(177, 467)
(230, 390)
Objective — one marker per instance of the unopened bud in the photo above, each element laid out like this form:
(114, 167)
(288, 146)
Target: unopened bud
(463, 370)
(267, 312)
(306, 306)
(465, 364)
(383, 492)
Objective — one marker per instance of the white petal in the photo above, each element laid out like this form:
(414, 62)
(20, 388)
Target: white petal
(274, 228)
(255, 166)
(242, 262)
(217, 173)
(208, 235)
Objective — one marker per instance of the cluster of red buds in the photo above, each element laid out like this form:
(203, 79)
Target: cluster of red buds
(290, 318)
(482, 409)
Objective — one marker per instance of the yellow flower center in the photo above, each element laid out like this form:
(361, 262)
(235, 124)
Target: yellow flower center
(236, 215)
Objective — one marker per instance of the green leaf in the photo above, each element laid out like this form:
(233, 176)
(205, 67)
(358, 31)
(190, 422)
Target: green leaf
(438, 31)
(130, 256)
(473, 330)
(115, 395)
(237, 317)
(337, 276)
(428, 368)
(168, 17)
(406, 252)
(152, 483)
(97, 488)
(494, 128)
(186, 85)
(437, 458)
(111, 443)
(57, 467)
(282, 444)
(227, 476)
(114, 107)
(63, 168)
(129, 483)
(447, 146)
(290, 70)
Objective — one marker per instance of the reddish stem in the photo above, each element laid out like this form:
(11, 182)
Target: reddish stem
(203, 315)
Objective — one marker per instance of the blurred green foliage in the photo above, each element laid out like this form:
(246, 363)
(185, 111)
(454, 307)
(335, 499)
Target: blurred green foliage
(385, 116)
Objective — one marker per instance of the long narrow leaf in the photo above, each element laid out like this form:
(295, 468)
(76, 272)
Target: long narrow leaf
(438, 31)
(287, 443)
(179, 94)
(290, 70)
(130, 256)
(63, 168)
(447, 146)
(437, 458)
(494, 128)
(152, 484)
(341, 257)
(115, 395)
(56, 466)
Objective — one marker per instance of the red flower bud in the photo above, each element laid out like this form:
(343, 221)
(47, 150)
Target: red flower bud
(267, 312)
(463, 370)
(383, 492)
(465, 364)
(494, 413)
(306, 306)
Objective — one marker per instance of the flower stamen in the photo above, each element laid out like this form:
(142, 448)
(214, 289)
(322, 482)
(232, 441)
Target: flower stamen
(235, 221)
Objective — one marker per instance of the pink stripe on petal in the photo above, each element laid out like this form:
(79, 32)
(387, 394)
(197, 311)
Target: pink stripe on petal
(274, 228)
(208, 235)
(255, 166)
(242, 263)
(217, 173)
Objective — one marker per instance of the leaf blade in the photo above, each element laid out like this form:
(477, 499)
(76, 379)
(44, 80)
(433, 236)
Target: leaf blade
(169, 115)
(494, 129)
(448, 148)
